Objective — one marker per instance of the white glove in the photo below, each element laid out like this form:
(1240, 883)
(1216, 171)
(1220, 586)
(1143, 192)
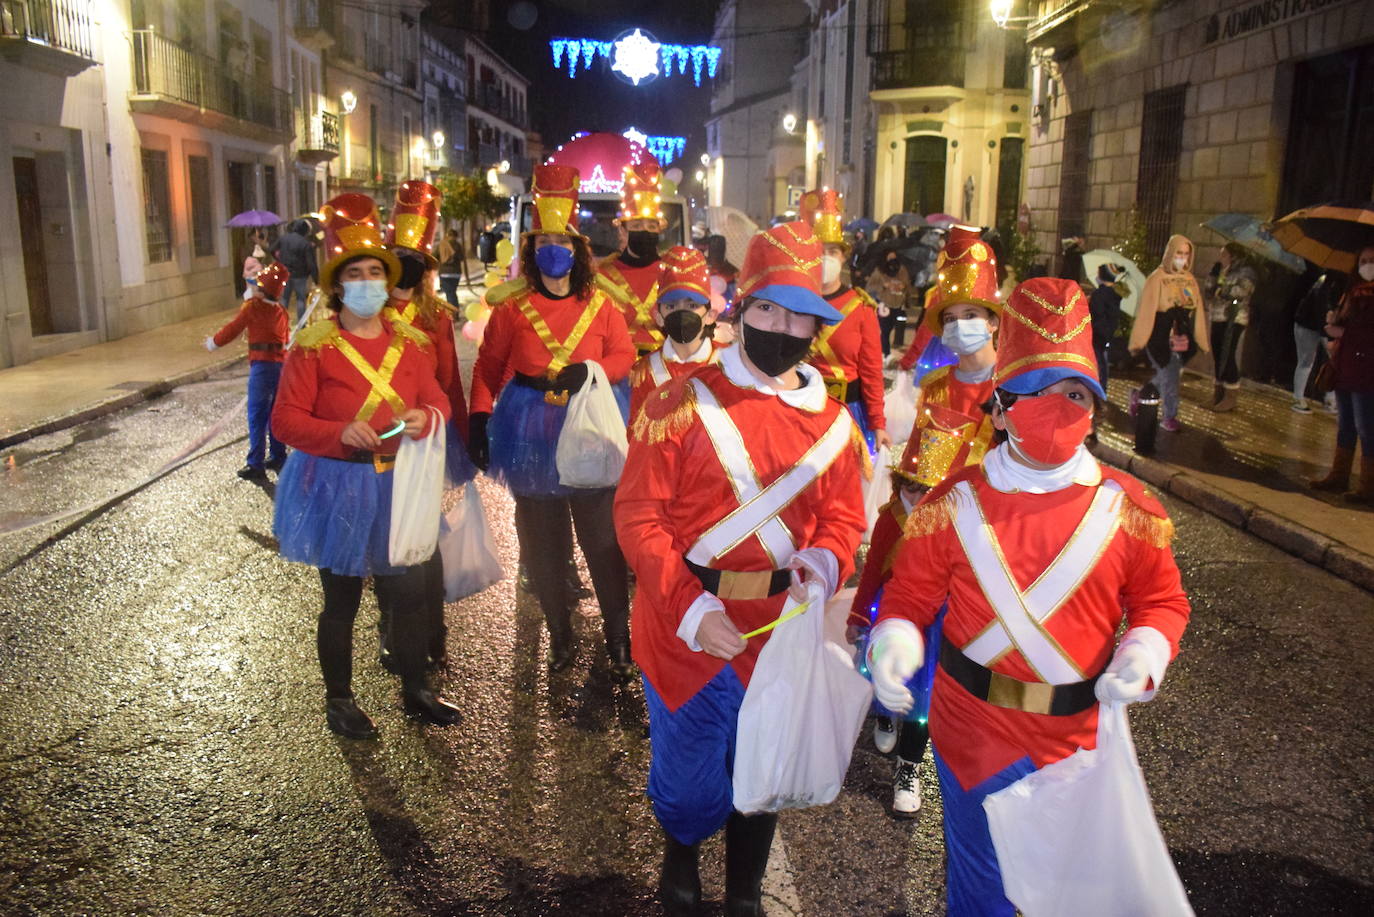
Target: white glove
(821, 566)
(1141, 658)
(211, 345)
(895, 650)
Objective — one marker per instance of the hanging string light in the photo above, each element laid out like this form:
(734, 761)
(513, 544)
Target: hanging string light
(636, 57)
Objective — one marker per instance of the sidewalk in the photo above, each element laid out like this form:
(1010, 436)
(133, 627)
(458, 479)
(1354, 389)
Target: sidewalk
(1249, 467)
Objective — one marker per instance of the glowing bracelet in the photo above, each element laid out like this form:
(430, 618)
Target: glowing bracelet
(772, 624)
(400, 425)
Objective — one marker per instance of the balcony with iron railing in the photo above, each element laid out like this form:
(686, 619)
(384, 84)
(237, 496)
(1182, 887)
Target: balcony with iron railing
(50, 35)
(918, 68)
(488, 98)
(314, 24)
(175, 82)
(317, 136)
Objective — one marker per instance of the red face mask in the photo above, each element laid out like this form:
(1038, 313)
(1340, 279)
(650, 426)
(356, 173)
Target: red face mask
(1049, 428)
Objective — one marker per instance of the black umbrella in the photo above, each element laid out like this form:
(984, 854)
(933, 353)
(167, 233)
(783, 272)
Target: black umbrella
(1328, 235)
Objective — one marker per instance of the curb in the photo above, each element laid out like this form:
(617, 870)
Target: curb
(120, 402)
(1317, 549)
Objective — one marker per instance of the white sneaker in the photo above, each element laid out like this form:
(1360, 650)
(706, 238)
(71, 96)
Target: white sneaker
(906, 790)
(884, 734)
(1300, 407)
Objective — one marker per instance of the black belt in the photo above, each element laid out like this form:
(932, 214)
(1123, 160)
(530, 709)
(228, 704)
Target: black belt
(540, 383)
(845, 391)
(380, 461)
(746, 584)
(270, 347)
(1003, 691)
(645, 351)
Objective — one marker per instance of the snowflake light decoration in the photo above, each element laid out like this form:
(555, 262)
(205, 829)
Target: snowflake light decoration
(636, 56)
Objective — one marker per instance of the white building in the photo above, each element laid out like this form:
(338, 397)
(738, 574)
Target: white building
(497, 115)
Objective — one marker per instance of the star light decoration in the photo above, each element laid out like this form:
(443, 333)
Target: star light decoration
(636, 56)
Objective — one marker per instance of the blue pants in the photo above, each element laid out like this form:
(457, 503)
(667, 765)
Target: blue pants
(263, 377)
(692, 758)
(299, 287)
(1355, 421)
(973, 880)
(1166, 380)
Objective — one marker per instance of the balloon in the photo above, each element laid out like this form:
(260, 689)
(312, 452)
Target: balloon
(674, 175)
(477, 311)
(504, 251)
(668, 187)
(473, 331)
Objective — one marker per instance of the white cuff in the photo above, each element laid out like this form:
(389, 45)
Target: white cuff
(691, 620)
(210, 344)
(893, 632)
(822, 564)
(1157, 646)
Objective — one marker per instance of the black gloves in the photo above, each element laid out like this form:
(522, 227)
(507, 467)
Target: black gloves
(572, 377)
(479, 447)
(412, 268)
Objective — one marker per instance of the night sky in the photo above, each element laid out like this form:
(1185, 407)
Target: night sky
(600, 100)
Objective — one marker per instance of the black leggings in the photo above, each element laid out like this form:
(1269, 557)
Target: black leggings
(1227, 369)
(912, 740)
(545, 529)
(403, 594)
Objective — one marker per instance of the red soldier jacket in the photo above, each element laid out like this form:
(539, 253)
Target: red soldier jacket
(267, 326)
(433, 319)
(677, 500)
(332, 378)
(882, 552)
(636, 292)
(1066, 566)
(662, 366)
(852, 351)
(529, 333)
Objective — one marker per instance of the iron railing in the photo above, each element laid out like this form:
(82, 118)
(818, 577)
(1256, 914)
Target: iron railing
(318, 131)
(164, 68)
(488, 97)
(924, 67)
(61, 24)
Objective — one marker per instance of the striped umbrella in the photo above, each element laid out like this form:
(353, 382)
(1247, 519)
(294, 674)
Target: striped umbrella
(1328, 235)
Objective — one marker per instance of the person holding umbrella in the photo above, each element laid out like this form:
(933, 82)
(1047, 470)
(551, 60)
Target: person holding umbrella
(1351, 327)
(1170, 324)
(1228, 307)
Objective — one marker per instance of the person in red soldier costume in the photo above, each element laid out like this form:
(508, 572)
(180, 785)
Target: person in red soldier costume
(681, 313)
(267, 324)
(544, 326)
(939, 444)
(1040, 553)
(349, 384)
(633, 275)
(743, 481)
(849, 355)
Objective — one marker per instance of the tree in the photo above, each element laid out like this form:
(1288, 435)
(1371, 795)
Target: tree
(466, 198)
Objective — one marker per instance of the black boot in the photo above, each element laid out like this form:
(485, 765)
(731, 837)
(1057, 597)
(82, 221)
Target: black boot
(345, 717)
(747, 841)
(562, 647)
(616, 627)
(422, 703)
(679, 885)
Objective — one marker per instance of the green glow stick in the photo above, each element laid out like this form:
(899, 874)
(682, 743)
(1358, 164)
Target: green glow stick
(772, 624)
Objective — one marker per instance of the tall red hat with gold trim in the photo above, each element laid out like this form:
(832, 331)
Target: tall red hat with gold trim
(641, 197)
(783, 265)
(966, 273)
(272, 281)
(415, 218)
(685, 276)
(352, 228)
(554, 189)
(822, 210)
(939, 445)
(1046, 336)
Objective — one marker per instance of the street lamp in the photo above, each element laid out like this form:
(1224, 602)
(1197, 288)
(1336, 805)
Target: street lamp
(701, 176)
(438, 139)
(1002, 15)
(789, 122)
(705, 159)
(349, 101)
(504, 167)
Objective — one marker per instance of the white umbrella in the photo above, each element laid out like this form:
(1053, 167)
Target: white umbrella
(1128, 275)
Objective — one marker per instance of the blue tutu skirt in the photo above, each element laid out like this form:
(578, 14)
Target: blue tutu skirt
(335, 515)
(523, 432)
(459, 468)
(856, 410)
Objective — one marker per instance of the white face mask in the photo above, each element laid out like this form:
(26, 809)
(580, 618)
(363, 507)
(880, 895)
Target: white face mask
(966, 335)
(830, 269)
(1180, 262)
(364, 298)
(1367, 272)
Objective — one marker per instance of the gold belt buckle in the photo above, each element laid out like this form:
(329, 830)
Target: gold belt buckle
(1013, 694)
(744, 584)
(382, 463)
(556, 398)
(837, 390)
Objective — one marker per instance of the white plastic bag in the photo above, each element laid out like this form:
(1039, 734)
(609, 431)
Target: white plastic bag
(591, 448)
(899, 407)
(801, 714)
(1079, 836)
(467, 549)
(877, 490)
(417, 484)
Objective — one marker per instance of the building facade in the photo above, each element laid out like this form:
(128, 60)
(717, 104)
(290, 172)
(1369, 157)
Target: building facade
(497, 116)
(1188, 110)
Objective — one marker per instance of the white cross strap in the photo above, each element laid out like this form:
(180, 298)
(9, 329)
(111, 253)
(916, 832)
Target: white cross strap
(759, 506)
(1022, 616)
(659, 369)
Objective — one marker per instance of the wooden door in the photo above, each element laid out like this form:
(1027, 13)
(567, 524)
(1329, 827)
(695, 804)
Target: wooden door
(31, 241)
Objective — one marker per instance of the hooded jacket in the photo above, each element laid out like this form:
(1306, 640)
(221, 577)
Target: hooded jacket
(1171, 301)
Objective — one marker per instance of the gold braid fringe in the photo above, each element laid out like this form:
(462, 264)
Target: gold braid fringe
(856, 440)
(316, 335)
(929, 518)
(652, 430)
(1146, 526)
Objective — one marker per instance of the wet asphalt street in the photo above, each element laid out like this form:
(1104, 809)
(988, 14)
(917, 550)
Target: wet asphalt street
(164, 748)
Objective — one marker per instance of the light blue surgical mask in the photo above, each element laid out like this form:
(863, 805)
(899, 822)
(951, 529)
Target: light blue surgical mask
(364, 298)
(966, 335)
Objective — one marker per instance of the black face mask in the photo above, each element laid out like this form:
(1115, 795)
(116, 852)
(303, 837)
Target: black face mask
(682, 326)
(641, 247)
(412, 268)
(773, 352)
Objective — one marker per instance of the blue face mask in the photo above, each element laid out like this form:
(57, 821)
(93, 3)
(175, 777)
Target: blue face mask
(553, 260)
(966, 336)
(364, 298)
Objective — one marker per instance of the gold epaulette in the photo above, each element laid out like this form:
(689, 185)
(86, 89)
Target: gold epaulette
(315, 335)
(504, 291)
(929, 518)
(860, 446)
(667, 412)
(1145, 526)
(408, 331)
(865, 298)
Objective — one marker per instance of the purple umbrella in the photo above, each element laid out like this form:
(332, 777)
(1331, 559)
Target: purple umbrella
(254, 218)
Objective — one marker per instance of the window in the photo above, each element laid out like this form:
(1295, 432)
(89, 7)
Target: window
(1073, 174)
(202, 208)
(1015, 63)
(1330, 130)
(1161, 140)
(269, 188)
(1009, 159)
(303, 198)
(157, 206)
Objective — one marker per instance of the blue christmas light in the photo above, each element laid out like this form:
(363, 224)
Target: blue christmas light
(636, 56)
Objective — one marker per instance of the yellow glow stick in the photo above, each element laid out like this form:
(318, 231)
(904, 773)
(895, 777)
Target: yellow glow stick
(772, 624)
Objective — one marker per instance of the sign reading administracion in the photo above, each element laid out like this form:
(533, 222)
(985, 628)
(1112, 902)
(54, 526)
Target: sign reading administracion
(1261, 15)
